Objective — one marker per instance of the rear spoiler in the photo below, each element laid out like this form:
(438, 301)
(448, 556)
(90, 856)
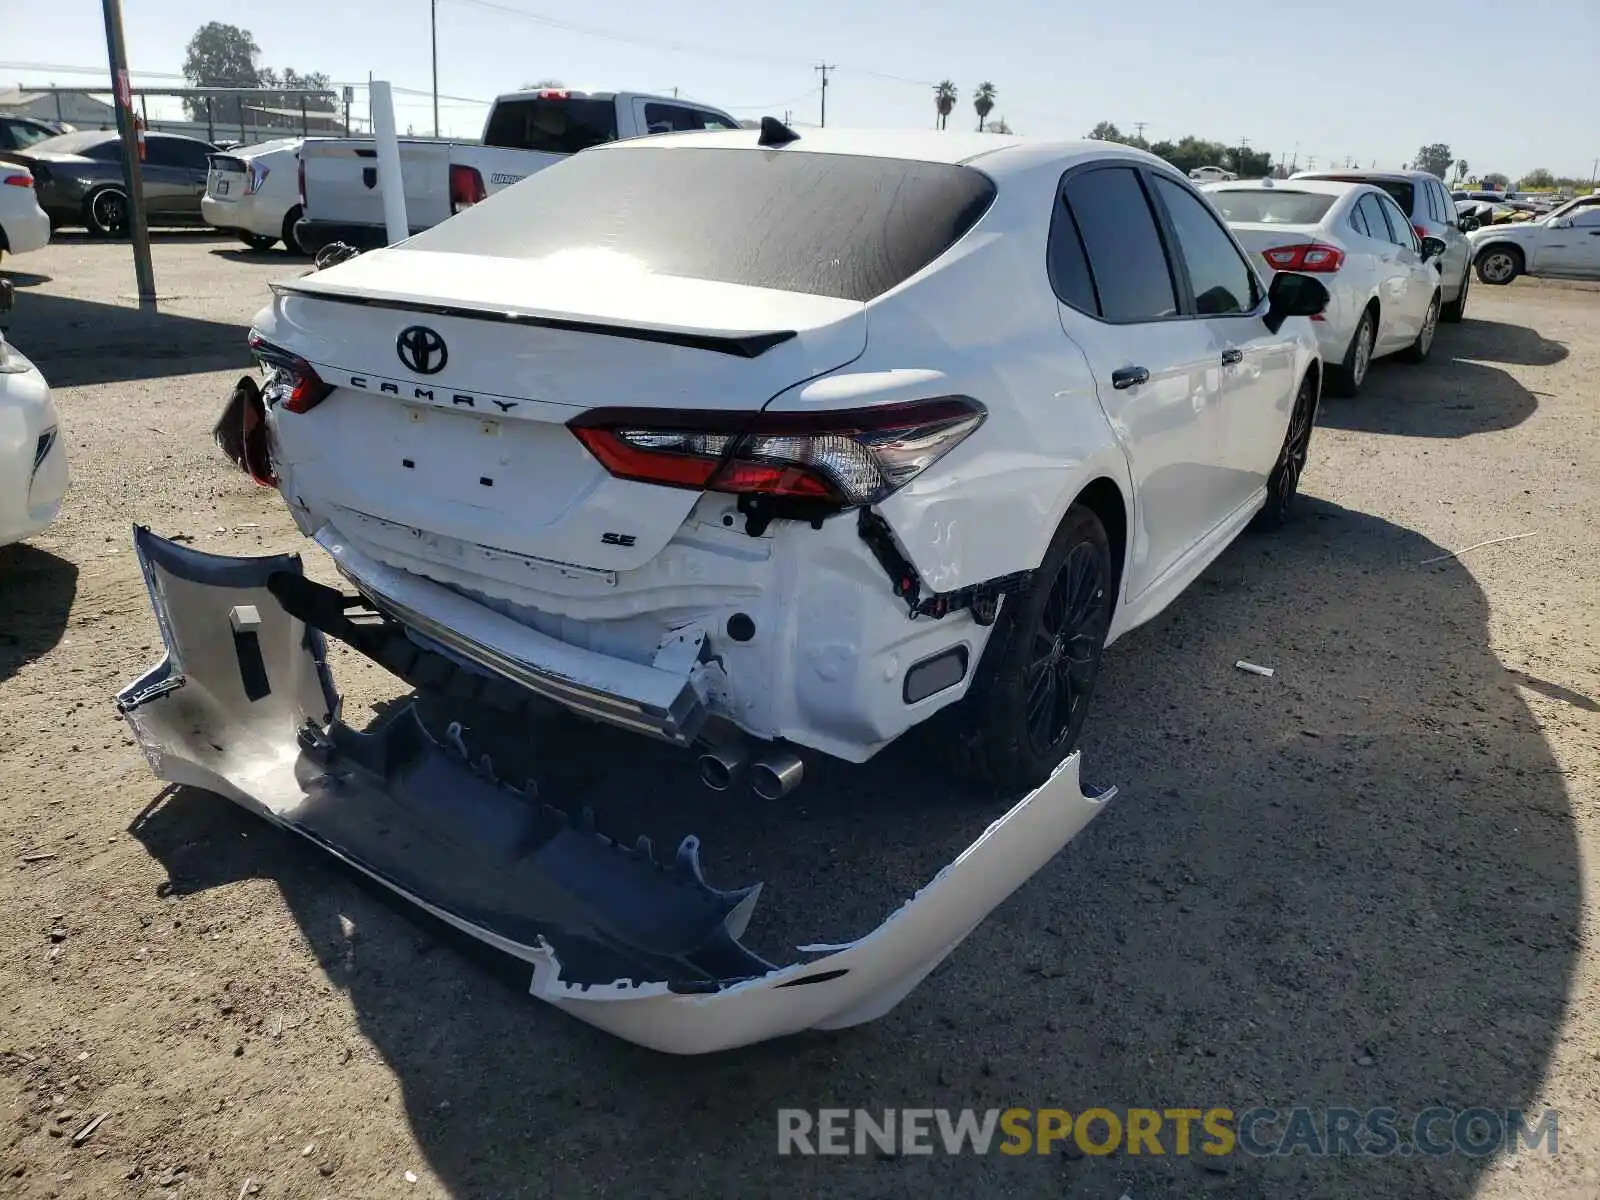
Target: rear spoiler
(740, 345)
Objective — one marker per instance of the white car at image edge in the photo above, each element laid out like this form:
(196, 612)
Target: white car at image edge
(253, 192)
(1384, 286)
(33, 460)
(24, 226)
(750, 442)
(1564, 244)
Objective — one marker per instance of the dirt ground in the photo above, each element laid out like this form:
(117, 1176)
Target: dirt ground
(1370, 880)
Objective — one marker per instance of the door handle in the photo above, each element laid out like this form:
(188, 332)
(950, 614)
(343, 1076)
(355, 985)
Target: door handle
(1232, 356)
(1126, 377)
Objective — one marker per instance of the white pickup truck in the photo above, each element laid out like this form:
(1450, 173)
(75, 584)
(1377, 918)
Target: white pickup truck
(341, 192)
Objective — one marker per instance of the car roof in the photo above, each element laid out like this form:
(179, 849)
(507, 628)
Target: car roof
(999, 153)
(1357, 173)
(1321, 187)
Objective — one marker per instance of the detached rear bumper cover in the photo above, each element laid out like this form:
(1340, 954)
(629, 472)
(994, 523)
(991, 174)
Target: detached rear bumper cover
(243, 705)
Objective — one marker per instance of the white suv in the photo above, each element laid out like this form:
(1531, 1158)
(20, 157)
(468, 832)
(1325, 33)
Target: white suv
(1423, 198)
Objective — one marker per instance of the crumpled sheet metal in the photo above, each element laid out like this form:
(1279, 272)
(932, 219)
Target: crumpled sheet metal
(243, 705)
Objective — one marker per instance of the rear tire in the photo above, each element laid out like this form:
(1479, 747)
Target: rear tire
(105, 212)
(1026, 706)
(290, 242)
(257, 241)
(1457, 308)
(1346, 378)
(1499, 265)
(1419, 350)
(1283, 485)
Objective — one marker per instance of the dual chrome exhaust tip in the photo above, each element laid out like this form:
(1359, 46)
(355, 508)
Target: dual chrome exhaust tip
(773, 775)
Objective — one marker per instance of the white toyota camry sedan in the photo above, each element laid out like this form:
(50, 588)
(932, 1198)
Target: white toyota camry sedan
(1383, 280)
(756, 443)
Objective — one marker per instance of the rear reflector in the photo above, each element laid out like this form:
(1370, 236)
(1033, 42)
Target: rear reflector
(931, 675)
(1311, 258)
(841, 459)
(17, 181)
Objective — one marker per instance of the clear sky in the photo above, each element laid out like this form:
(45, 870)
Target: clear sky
(1508, 86)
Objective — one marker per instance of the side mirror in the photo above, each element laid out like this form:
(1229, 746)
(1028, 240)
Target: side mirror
(1468, 224)
(1292, 295)
(1432, 248)
(8, 295)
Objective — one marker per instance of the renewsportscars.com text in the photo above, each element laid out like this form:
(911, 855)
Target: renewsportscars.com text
(1213, 1132)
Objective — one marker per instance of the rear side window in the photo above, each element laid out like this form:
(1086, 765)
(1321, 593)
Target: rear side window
(1400, 231)
(1131, 277)
(106, 151)
(1069, 263)
(551, 124)
(847, 226)
(1371, 210)
(1258, 206)
(1221, 279)
(676, 118)
(1358, 221)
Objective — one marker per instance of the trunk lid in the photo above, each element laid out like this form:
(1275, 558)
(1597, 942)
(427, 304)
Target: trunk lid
(227, 177)
(474, 453)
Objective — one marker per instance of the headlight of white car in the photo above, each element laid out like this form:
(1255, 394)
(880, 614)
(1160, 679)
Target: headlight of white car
(12, 360)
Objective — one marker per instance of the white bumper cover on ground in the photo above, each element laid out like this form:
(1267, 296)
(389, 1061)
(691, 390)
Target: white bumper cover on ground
(243, 706)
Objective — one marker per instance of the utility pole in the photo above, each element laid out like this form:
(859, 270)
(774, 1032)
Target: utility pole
(824, 68)
(1138, 129)
(433, 8)
(132, 172)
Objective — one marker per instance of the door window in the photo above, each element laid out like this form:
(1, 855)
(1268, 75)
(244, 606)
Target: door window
(1132, 279)
(1430, 195)
(1220, 278)
(1586, 218)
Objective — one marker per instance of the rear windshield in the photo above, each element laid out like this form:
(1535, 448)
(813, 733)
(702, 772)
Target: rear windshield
(1259, 206)
(553, 125)
(1400, 191)
(846, 226)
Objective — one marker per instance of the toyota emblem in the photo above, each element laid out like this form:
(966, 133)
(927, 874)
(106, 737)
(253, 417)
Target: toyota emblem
(421, 349)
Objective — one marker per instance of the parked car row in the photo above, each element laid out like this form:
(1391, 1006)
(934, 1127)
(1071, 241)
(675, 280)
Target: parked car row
(1390, 278)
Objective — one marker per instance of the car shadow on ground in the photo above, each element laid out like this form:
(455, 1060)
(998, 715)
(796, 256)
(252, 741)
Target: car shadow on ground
(77, 342)
(22, 279)
(36, 593)
(185, 233)
(1353, 884)
(1448, 397)
(270, 256)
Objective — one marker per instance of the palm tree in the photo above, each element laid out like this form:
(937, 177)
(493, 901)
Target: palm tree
(944, 100)
(983, 101)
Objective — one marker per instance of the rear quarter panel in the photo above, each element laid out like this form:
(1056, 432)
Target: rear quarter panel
(981, 321)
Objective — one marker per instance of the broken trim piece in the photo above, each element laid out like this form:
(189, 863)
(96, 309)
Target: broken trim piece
(645, 949)
(982, 598)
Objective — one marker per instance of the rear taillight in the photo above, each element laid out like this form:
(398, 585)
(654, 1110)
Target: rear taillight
(841, 459)
(466, 187)
(291, 381)
(1419, 230)
(258, 176)
(17, 181)
(1311, 258)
